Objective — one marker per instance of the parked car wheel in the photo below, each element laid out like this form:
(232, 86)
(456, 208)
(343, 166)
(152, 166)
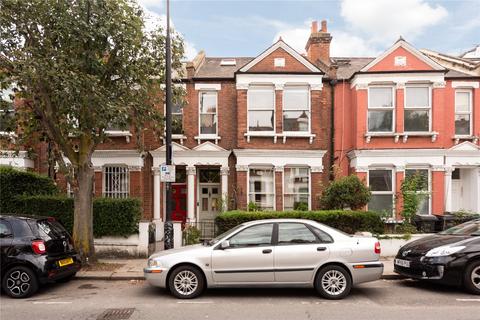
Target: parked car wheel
(471, 279)
(186, 282)
(333, 282)
(20, 282)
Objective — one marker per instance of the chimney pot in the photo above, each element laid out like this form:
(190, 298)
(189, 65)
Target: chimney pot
(314, 26)
(324, 25)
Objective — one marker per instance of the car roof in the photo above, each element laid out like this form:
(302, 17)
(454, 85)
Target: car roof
(21, 217)
(249, 223)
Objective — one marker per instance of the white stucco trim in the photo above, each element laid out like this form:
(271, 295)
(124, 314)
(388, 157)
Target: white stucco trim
(131, 158)
(280, 158)
(466, 84)
(281, 44)
(362, 81)
(20, 160)
(279, 80)
(205, 154)
(208, 86)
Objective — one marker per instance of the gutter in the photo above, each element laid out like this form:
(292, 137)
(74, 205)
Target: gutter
(333, 82)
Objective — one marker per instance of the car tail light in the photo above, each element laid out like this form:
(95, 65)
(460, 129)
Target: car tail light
(38, 246)
(378, 250)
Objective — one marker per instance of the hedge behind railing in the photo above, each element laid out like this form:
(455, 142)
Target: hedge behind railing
(111, 217)
(346, 221)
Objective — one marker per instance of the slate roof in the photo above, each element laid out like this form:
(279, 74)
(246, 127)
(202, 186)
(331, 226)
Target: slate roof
(348, 66)
(211, 67)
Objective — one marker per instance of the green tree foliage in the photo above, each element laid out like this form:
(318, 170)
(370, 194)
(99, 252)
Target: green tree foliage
(347, 192)
(79, 67)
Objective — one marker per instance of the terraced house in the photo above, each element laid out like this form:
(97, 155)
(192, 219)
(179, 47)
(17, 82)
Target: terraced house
(270, 131)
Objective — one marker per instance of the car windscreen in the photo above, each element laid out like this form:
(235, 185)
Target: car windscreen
(471, 228)
(51, 229)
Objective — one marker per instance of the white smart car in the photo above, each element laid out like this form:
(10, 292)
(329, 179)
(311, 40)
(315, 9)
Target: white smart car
(266, 253)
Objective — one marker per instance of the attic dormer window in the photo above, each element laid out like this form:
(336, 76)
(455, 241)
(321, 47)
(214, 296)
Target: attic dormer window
(228, 62)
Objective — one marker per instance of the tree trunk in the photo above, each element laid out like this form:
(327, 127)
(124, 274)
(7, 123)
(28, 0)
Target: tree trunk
(83, 213)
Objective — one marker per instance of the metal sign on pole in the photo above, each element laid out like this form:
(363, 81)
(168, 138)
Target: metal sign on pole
(168, 238)
(167, 173)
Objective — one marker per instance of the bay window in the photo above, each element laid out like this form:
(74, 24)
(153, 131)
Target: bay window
(422, 189)
(380, 109)
(463, 112)
(296, 184)
(7, 111)
(262, 187)
(116, 181)
(296, 109)
(380, 182)
(208, 112)
(261, 109)
(417, 109)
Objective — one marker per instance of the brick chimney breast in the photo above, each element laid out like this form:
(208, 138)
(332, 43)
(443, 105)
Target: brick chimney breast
(318, 44)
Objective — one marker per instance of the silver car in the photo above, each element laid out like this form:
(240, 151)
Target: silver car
(276, 252)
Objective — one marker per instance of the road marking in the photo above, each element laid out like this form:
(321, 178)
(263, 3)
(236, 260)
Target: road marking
(469, 300)
(52, 302)
(194, 302)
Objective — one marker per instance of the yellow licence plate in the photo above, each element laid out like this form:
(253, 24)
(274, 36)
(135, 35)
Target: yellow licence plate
(65, 262)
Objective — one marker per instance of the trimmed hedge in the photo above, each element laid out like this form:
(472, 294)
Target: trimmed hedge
(111, 217)
(15, 183)
(347, 221)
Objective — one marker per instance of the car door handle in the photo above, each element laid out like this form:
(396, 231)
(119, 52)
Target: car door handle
(321, 248)
(265, 251)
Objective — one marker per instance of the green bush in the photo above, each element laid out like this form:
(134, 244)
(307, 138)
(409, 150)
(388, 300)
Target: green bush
(111, 217)
(15, 183)
(347, 221)
(347, 192)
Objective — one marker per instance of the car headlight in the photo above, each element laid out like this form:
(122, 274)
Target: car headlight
(154, 263)
(444, 251)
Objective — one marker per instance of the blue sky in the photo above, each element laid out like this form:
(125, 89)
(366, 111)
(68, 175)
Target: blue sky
(358, 27)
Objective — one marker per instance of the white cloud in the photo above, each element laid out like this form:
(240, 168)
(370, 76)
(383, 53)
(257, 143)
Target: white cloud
(343, 43)
(154, 20)
(384, 21)
(157, 4)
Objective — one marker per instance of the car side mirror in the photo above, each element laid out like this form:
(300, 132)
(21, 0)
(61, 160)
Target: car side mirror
(225, 244)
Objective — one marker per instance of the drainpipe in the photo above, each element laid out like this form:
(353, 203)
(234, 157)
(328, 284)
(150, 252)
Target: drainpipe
(333, 82)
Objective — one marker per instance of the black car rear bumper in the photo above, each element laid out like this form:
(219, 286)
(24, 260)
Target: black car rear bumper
(51, 271)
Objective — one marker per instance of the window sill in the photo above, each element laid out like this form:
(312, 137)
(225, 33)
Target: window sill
(405, 135)
(283, 135)
(119, 133)
(180, 137)
(468, 137)
(206, 138)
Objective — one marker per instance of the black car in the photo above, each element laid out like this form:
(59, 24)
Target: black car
(451, 257)
(34, 251)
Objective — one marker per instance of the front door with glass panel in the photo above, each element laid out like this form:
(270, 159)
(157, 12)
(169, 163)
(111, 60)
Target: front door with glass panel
(209, 193)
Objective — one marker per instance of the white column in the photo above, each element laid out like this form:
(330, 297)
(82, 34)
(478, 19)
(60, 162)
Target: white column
(156, 195)
(224, 174)
(191, 172)
(448, 189)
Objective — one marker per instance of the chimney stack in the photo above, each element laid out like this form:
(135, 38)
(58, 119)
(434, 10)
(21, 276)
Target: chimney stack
(318, 45)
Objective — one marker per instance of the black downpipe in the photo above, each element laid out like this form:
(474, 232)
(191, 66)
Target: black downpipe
(333, 82)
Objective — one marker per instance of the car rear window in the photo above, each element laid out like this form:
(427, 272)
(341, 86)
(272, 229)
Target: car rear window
(51, 229)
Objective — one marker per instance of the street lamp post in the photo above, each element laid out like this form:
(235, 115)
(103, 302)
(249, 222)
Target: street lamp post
(168, 231)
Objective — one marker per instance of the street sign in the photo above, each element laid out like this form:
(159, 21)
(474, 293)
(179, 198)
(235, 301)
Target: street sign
(167, 173)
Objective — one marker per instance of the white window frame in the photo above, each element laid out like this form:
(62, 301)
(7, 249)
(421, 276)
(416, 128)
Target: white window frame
(207, 135)
(165, 112)
(271, 88)
(429, 187)
(470, 113)
(274, 183)
(309, 185)
(115, 194)
(423, 108)
(392, 109)
(392, 193)
(290, 87)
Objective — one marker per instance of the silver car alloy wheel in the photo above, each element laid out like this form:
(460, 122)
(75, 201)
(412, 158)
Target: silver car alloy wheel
(334, 282)
(476, 277)
(18, 282)
(185, 282)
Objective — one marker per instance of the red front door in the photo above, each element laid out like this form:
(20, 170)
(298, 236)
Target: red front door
(179, 202)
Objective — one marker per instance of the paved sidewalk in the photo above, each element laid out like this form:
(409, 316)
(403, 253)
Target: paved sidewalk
(132, 269)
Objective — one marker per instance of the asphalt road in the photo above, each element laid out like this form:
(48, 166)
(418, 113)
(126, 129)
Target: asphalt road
(385, 300)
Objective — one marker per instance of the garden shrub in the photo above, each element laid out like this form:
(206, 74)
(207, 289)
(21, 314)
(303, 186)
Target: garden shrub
(347, 221)
(347, 192)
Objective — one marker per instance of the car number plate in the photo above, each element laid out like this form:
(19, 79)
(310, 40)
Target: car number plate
(65, 262)
(402, 263)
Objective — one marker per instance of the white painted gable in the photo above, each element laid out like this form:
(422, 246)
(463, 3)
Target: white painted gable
(465, 146)
(208, 146)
